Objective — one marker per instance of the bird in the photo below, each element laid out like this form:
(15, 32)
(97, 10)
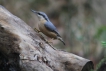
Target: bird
(47, 27)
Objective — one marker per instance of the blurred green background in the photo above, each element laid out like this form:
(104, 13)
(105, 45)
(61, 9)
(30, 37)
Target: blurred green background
(81, 23)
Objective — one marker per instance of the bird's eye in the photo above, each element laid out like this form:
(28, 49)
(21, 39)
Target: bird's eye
(39, 13)
(42, 15)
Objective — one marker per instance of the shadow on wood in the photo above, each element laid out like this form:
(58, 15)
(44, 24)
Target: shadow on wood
(22, 49)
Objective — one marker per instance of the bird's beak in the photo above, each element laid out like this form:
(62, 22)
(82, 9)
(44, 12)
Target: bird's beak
(34, 11)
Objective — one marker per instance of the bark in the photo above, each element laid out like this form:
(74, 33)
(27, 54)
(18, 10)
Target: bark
(23, 49)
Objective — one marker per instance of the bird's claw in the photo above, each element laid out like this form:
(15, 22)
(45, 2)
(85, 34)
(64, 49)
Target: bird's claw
(37, 30)
(48, 42)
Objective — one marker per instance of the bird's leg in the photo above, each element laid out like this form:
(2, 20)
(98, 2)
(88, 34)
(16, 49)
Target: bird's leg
(47, 41)
(37, 30)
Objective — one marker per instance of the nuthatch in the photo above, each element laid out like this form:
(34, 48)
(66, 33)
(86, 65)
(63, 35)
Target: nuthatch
(46, 26)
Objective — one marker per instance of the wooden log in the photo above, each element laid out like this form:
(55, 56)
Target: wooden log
(22, 49)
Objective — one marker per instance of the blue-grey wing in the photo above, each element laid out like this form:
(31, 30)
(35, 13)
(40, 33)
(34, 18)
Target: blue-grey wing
(51, 27)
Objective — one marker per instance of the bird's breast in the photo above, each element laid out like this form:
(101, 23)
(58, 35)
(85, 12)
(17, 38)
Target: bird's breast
(46, 31)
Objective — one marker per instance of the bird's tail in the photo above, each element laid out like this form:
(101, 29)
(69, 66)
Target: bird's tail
(59, 38)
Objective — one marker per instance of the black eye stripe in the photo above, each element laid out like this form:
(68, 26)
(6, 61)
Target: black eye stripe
(43, 16)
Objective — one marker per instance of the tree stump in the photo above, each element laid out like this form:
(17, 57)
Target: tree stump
(22, 49)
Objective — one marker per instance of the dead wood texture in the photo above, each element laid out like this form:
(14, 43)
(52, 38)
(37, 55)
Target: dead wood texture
(21, 49)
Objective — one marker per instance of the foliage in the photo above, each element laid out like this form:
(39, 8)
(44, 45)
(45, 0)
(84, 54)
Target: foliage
(103, 43)
(102, 65)
(101, 35)
(100, 31)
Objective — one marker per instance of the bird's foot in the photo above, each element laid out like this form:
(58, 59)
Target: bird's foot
(37, 30)
(48, 42)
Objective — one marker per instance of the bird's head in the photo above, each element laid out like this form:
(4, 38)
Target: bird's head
(41, 15)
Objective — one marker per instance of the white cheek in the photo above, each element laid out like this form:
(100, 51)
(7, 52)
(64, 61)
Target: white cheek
(40, 17)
